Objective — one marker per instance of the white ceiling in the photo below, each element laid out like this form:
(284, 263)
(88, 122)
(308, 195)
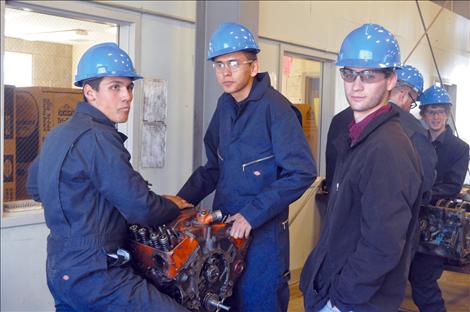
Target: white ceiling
(33, 26)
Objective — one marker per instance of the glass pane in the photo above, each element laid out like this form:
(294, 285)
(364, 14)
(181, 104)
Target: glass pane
(301, 84)
(41, 55)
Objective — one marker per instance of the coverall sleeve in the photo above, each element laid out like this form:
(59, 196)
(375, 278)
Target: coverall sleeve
(204, 179)
(296, 169)
(390, 184)
(452, 180)
(32, 181)
(114, 177)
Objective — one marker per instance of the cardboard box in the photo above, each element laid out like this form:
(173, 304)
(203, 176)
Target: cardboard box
(9, 144)
(38, 110)
(54, 105)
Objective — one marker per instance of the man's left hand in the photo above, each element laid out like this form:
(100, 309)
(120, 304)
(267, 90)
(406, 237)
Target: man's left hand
(240, 227)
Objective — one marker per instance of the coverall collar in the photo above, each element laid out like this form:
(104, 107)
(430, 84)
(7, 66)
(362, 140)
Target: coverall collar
(96, 114)
(260, 83)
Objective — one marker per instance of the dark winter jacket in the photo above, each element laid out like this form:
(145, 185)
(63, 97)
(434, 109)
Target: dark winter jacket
(452, 165)
(362, 259)
(417, 134)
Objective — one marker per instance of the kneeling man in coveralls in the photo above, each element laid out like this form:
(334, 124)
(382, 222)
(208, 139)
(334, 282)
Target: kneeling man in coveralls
(90, 192)
(258, 162)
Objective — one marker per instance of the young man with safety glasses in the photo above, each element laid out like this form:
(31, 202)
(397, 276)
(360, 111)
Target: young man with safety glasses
(452, 165)
(361, 260)
(403, 96)
(258, 162)
(90, 192)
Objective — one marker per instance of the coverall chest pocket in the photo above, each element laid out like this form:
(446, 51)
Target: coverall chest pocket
(258, 174)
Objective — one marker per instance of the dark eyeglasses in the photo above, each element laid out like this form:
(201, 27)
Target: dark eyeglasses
(367, 76)
(439, 112)
(413, 104)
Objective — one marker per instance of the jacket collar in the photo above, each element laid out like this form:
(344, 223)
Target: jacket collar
(443, 137)
(376, 123)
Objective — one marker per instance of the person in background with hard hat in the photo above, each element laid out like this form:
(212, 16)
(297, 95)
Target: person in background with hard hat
(90, 191)
(452, 164)
(361, 260)
(409, 87)
(258, 162)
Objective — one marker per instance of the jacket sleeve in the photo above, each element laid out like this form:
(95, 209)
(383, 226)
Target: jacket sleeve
(204, 179)
(428, 157)
(296, 168)
(390, 185)
(32, 181)
(114, 177)
(452, 180)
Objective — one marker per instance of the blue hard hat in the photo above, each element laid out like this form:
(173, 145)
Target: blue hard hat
(229, 38)
(434, 95)
(369, 46)
(104, 60)
(410, 76)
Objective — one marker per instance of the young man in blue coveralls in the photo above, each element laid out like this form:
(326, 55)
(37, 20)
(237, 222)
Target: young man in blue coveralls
(361, 260)
(452, 164)
(258, 162)
(90, 192)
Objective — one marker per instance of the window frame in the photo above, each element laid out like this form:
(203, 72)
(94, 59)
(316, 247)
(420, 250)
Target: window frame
(128, 38)
(327, 91)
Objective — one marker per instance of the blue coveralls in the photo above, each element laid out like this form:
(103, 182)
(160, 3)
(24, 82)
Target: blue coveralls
(89, 190)
(259, 162)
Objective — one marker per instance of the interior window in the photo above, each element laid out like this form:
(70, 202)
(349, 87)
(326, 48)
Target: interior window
(301, 84)
(41, 55)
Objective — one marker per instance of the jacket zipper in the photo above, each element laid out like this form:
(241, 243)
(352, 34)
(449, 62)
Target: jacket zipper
(220, 156)
(256, 161)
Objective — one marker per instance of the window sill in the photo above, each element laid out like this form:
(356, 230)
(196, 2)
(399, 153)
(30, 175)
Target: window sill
(33, 214)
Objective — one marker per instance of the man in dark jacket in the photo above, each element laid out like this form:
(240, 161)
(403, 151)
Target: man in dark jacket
(258, 162)
(362, 258)
(90, 191)
(452, 164)
(409, 86)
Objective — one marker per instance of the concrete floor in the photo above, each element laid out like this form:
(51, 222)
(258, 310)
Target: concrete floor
(454, 286)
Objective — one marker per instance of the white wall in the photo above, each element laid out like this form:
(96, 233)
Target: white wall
(324, 24)
(23, 275)
(168, 53)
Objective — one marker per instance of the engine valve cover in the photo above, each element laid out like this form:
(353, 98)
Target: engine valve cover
(193, 259)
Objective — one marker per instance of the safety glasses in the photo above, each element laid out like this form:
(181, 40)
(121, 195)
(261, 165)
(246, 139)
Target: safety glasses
(232, 65)
(366, 76)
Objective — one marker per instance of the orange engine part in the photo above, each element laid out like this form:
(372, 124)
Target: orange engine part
(193, 259)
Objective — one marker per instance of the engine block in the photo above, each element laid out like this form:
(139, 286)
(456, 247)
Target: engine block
(445, 230)
(193, 259)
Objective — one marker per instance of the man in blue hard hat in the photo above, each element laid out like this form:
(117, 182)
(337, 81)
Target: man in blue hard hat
(361, 260)
(258, 162)
(90, 192)
(403, 96)
(452, 164)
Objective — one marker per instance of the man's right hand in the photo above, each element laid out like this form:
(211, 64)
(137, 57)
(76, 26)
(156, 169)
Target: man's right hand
(178, 201)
